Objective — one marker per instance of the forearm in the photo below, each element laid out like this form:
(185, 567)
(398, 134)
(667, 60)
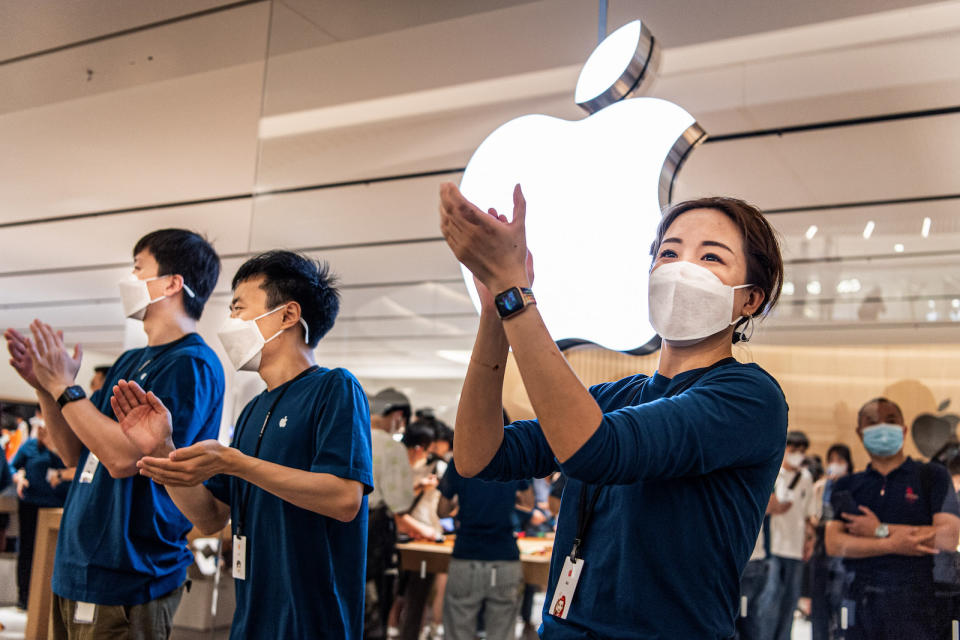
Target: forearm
(842, 544)
(416, 529)
(480, 412)
(567, 413)
(197, 503)
(945, 535)
(65, 441)
(103, 437)
(321, 493)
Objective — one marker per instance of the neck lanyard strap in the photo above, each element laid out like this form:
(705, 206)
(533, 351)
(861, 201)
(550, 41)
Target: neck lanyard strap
(245, 492)
(587, 505)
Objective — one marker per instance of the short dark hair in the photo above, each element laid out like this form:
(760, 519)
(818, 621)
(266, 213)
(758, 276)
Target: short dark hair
(877, 400)
(102, 368)
(797, 439)
(419, 433)
(843, 451)
(760, 244)
(292, 277)
(189, 255)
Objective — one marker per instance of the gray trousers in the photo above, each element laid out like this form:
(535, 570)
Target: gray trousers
(496, 586)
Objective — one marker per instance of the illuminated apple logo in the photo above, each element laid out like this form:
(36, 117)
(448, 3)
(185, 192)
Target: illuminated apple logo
(594, 190)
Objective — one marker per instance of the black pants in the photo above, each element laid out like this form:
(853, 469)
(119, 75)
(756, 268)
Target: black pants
(28, 530)
(381, 568)
(881, 613)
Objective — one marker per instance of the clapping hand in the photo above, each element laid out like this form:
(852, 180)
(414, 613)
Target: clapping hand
(492, 248)
(53, 368)
(143, 418)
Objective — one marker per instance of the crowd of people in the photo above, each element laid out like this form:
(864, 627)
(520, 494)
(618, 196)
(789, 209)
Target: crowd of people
(656, 488)
(861, 555)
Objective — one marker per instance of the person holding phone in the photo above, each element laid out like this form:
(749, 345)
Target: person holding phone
(889, 522)
(668, 476)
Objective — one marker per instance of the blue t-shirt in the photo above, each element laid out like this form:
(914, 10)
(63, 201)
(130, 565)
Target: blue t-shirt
(36, 459)
(122, 540)
(900, 497)
(686, 481)
(305, 573)
(485, 516)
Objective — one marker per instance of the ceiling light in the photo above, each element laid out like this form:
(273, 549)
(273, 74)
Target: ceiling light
(868, 230)
(898, 248)
(848, 286)
(955, 303)
(925, 229)
(813, 287)
(811, 231)
(788, 289)
(931, 304)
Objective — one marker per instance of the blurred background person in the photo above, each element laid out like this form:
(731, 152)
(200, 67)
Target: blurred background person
(889, 521)
(419, 521)
(790, 529)
(99, 377)
(41, 479)
(827, 575)
(392, 495)
(485, 570)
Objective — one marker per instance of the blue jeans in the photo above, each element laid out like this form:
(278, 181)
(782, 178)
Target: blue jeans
(752, 582)
(779, 598)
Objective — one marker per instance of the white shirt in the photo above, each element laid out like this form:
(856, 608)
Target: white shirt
(788, 530)
(392, 477)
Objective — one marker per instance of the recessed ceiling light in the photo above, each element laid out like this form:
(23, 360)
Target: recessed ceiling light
(925, 229)
(813, 287)
(788, 288)
(898, 248)
(868, 230)
(811, 231)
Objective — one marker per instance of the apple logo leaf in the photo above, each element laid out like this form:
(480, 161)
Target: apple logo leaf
(594, 189)
(943, 405)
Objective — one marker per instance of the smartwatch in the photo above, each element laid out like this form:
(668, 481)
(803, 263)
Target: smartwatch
(513, 300)
(882, 531)
(70, 394)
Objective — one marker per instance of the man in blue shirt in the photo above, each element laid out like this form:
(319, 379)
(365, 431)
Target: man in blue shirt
(485, 570)
(34, 463)
(122, 556)
(295, 480)
(889, 522)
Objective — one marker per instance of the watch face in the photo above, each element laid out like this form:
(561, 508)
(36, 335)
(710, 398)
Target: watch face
(509, 301)
(74, 393)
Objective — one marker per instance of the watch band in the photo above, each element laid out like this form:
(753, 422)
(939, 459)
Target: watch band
(513, 301)
(70, 394)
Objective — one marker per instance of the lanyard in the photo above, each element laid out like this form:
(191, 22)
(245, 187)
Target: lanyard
(157, 356)
(585, 510)
(245, 492)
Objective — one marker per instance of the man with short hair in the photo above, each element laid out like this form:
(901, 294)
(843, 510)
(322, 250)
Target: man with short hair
(122, 553)
(790, 529)
(295, 480)
(392, 494)
(888, 523)
(99, 376)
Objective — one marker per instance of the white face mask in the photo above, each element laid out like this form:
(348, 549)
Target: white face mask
(135, 296)
(689, 303)
(836, 469)
(795, 459)
(244, 343)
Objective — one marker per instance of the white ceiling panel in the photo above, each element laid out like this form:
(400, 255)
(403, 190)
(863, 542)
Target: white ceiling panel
(899, 159)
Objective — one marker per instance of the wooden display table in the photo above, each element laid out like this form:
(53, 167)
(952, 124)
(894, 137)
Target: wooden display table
(41, 595)
(434, 557)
